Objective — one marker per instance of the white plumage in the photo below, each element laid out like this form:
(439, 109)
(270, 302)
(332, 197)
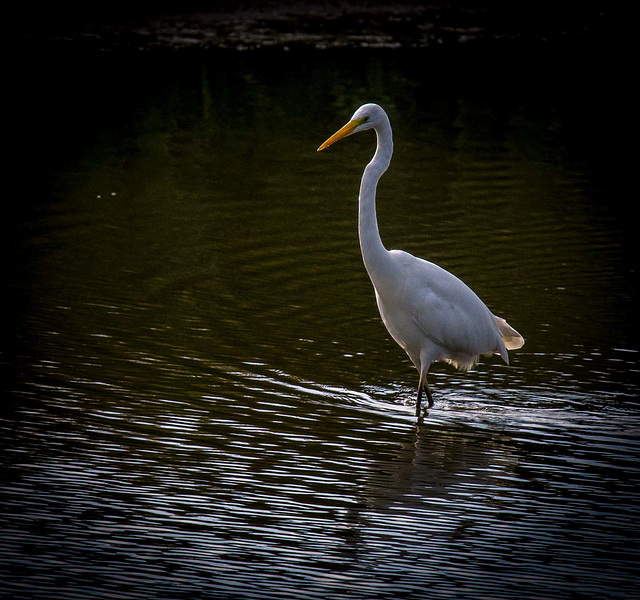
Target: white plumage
(428, 311)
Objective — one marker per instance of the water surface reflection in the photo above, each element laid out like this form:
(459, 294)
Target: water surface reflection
(200, 400)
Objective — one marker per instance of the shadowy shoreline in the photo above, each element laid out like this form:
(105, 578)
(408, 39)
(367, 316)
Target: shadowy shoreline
(261, 24)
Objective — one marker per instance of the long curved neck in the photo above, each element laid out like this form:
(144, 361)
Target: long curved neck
(373, 251)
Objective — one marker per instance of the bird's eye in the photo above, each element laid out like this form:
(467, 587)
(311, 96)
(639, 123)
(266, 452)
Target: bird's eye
(366, 120)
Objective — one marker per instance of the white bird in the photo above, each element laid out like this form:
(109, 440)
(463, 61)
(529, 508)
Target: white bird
(428, 311)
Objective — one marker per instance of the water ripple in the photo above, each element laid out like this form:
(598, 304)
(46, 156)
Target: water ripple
(200, 399)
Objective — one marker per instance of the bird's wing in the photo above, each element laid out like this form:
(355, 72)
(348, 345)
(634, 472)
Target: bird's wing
(446, 310)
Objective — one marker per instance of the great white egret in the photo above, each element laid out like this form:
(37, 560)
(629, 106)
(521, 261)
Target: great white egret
(428, 311)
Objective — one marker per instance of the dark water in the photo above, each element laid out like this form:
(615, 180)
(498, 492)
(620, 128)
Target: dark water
(199, 398)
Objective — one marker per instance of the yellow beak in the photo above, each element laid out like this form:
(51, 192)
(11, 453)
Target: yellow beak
(341, 133)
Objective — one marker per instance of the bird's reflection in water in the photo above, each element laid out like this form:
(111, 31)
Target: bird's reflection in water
(417, 485)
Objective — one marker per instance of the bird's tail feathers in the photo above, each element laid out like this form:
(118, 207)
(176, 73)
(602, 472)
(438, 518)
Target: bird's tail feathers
(511, 338)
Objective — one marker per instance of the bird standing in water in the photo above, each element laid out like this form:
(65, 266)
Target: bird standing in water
(428, 311)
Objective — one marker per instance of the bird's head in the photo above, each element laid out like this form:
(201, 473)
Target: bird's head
(368, 116)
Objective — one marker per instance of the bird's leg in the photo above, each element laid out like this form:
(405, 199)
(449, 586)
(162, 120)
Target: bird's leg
(429, 396)
(423, 386)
